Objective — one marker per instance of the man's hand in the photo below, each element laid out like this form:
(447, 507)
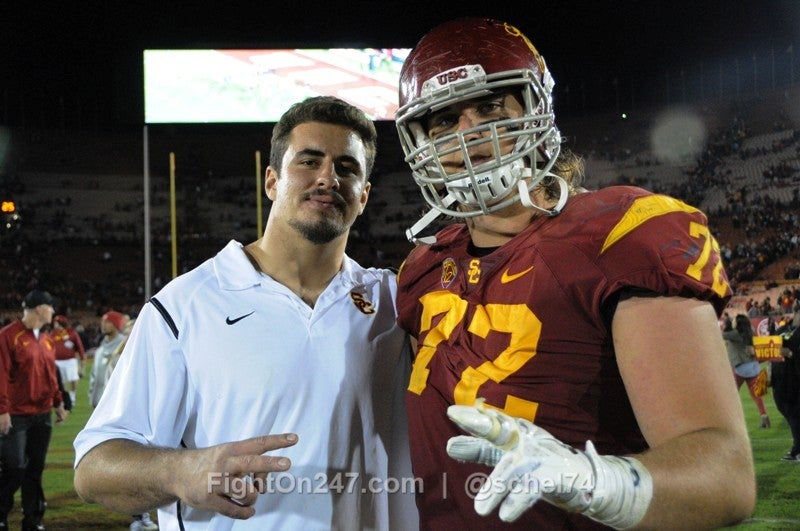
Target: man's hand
(61, 413)
(132, 478)
(227, 478)
(5, 423)
(531, 464)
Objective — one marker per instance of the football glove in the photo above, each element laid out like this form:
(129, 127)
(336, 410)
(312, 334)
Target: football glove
(530, 464)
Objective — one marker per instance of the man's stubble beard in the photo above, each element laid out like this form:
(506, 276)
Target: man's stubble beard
(320, 232)
(326, 229)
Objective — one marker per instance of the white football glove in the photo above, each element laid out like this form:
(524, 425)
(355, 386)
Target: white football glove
(531, 464)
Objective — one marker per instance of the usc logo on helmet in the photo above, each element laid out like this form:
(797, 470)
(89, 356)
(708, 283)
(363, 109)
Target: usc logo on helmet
(363, 305)
(452, 75)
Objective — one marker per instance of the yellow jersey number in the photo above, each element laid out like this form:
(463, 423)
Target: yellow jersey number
(515, 319)
(695, 270)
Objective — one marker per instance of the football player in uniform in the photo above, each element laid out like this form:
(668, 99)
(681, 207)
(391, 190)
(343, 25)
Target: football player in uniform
(567, 338)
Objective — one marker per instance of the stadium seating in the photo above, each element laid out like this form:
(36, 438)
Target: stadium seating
(80, 195)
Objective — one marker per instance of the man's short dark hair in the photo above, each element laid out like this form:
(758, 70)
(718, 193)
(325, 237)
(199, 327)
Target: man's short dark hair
(329, 110)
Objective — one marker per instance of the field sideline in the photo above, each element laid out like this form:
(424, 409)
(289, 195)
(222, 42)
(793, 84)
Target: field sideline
(778, 482)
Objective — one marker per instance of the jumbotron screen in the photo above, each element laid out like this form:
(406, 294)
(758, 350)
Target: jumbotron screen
(227, 86)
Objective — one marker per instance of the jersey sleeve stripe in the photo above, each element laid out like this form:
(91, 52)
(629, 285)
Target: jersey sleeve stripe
(642, 210)
(165, 314)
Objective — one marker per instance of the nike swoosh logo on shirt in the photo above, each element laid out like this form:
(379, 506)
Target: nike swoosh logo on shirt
(506, 278)
(234, 321)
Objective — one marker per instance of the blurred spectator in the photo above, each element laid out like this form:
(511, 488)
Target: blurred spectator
(70, 354)
(786, 385)
(111, 325)
(741, 354)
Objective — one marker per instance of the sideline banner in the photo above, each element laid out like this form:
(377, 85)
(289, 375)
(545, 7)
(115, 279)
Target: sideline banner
(768, 348)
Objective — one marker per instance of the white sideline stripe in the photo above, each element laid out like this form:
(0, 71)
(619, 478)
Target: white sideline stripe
(773, 520)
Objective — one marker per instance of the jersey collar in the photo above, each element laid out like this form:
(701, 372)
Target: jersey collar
(235, 272)
(233, 269)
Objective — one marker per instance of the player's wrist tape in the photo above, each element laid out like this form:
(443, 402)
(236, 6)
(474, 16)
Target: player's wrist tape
(622, 491)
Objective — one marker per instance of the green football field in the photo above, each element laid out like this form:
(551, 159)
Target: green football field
(778, 482)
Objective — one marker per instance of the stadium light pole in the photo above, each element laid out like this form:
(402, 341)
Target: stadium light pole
(148, 289)
(173, 215)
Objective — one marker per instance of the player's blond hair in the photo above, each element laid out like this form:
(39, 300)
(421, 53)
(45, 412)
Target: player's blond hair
(570, 167)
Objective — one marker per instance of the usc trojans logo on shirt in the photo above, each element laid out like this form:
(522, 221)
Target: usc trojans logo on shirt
(363, 305)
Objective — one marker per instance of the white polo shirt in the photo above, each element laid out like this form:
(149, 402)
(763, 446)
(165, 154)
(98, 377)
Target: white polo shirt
(251, 358)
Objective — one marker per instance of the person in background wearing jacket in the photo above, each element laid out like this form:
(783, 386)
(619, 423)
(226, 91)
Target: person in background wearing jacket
(28, 393)
(111, 325)
(786, 384)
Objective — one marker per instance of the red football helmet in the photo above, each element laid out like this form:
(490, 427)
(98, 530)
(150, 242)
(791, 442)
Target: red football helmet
(461, 60)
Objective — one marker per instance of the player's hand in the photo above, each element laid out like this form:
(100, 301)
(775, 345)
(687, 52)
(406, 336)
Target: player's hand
(227, 478)
(5, 423)
(530, 464)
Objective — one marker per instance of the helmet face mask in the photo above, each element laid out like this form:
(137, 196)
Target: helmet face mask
(456, 64)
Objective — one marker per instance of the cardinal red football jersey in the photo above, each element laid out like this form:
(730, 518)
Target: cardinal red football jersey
(527, 327)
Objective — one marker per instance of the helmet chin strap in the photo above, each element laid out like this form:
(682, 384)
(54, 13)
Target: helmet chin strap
(429, 217)
(525, 195)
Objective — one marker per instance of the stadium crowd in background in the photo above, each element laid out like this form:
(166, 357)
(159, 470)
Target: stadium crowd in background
(760, 217)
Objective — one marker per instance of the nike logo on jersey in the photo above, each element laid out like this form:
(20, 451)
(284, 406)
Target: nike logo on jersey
(230, 321)
(506, 278)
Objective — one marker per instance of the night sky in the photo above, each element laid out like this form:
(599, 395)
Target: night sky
(69, 49)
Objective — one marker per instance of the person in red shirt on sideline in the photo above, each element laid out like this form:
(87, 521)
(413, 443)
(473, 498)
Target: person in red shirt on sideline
(70, 354)
(28, 392)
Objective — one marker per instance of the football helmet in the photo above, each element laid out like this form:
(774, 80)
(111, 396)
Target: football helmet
(463, 60)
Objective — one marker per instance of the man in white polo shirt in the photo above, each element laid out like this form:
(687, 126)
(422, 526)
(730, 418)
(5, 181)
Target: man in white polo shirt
(264, 389)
